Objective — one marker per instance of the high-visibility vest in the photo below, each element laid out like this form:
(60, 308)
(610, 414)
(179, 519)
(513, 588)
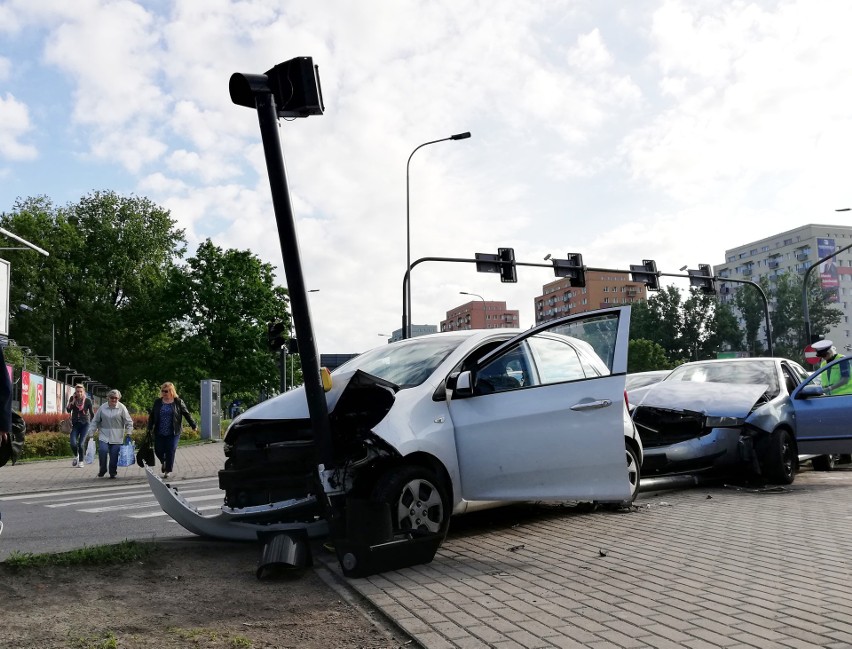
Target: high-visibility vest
(834, 374)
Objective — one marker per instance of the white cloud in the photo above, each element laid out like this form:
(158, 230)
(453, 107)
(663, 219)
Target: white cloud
(14, 125)
(667, 130)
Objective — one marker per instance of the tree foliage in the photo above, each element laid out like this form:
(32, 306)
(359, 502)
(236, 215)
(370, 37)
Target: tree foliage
(121, 305)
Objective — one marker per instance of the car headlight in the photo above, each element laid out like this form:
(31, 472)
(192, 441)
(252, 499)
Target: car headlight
(723, 422)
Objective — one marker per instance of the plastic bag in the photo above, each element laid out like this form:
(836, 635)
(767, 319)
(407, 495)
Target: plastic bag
(127, 454)
(90, 451)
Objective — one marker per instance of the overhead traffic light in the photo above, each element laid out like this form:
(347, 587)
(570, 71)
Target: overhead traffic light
(275, 335)
(508, 272)
(702, 278)
(646, 274)
(572, 267)
(503, 262)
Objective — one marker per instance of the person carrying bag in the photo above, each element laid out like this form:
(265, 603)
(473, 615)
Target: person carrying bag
(164, 421)
(115, 425)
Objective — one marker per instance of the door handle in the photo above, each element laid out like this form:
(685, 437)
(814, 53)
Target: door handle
(592, 405)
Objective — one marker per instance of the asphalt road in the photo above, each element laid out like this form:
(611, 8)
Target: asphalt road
(108, 512)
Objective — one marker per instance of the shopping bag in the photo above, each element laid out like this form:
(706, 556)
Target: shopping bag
(90, 451)
(127, 454)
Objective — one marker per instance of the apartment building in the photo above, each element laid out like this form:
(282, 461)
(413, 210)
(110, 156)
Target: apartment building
(603, 289)
(795, 251)
(480, 314)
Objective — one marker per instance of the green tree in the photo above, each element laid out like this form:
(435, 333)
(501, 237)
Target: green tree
(659, 320)
(102, 289)
(750, 305)
(230, 299)
(646, 355)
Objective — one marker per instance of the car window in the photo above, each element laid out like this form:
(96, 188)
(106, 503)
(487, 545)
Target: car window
(556, 360)
(596, 334)
(509, 371)
(836, 380)
(790, 379)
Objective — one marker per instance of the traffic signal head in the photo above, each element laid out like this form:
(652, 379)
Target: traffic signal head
(275, 335)
(646, 274)
(702, 278)
(508, 272)
(573, 268)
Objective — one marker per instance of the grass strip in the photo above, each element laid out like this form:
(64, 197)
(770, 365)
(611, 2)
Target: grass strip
(86, 556)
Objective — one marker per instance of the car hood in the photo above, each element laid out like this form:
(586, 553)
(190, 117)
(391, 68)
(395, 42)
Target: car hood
(711, 399)
(293, 404)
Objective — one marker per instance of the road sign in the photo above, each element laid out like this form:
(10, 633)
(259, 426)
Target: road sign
(811, 355)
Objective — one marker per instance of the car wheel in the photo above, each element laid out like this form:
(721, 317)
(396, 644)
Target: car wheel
(823, 462)
(845, 459)
(633, 471)
(416, 498)
(780, 460)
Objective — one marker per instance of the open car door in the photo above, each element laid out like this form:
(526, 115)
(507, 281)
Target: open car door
(822, 414)
(542, 417)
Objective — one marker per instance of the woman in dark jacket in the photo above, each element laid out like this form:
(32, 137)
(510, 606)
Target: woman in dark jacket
(164, 421)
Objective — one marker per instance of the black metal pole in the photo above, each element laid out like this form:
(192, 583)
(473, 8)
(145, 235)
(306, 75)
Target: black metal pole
(317, 406)
(283, 356)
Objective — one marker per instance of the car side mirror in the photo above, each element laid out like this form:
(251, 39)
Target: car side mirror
(811, 390)
(461, 384)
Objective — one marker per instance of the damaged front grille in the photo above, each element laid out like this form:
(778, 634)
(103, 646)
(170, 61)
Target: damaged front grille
(661, 426)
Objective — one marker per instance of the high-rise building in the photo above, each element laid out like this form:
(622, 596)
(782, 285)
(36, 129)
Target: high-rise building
(603, 289)
(795, 251)
(480, 314)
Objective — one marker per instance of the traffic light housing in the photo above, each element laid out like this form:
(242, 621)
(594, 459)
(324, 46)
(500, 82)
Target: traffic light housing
(275, 335)
(646, 274)
(572, 267)
(503, 262)
(508, 270)
(702, 278)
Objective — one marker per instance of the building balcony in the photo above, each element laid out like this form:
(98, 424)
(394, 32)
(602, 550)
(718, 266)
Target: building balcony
(803, 256)
(747, 272)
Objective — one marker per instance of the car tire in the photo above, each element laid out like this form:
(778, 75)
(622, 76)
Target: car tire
(779, 463)
(845, 459)
(824, 462)
(633, 472)
(633, 475)
(416, 498)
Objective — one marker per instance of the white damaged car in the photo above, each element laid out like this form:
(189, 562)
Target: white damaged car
(440, 425)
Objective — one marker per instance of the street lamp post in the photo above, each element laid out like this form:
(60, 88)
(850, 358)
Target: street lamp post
(473, 294)
(406, 299)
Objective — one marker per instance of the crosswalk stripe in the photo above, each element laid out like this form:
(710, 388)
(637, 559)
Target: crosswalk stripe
(98, 498)
(76, 492)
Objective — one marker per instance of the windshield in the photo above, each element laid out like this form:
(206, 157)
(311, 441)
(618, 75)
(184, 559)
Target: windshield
(406, 363)
(739, 372)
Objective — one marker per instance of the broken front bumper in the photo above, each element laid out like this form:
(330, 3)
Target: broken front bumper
(231, 524)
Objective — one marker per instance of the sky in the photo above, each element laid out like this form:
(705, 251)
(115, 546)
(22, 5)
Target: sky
(669, 130)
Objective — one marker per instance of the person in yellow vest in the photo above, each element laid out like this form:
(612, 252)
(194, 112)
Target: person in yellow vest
(837, 379)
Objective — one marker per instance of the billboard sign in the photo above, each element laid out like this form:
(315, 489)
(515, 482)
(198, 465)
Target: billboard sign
(828, 273)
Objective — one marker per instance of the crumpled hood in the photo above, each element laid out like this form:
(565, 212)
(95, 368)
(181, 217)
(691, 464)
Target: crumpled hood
(293, 404)
(711, 399)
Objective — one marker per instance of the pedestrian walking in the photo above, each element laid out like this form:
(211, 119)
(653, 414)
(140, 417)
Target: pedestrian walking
(82, 412)
(164, 421)
(115, 425)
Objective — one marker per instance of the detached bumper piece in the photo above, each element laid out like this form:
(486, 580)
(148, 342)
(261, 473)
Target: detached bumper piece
(283, 552)
(370, 546)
